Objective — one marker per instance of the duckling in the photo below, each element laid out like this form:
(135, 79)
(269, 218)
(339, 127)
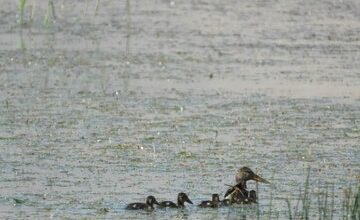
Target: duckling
(149, 205)
(252, 197)
(238, 193)
(215, 203)
(237, 196)
(226, 202)
(181, 199)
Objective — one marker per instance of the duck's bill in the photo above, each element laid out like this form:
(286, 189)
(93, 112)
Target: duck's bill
(189, 201)
(260, 179)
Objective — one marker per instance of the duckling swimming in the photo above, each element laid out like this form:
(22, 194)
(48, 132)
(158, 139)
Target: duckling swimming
(226, 202)
(149, 205)
(252, 197)
(215, 203)
(181, 199)
(238, 193)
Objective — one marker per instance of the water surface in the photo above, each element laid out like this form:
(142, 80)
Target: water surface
(97, 111)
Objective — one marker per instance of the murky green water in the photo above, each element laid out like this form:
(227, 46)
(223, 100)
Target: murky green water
(169, 96)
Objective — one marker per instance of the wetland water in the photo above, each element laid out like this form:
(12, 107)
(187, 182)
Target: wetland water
(97, 111)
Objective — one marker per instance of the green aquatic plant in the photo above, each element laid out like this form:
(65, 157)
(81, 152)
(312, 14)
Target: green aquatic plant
(149, 138)
(103, 210)
(18, 201)
(325, 203)
(257, 204)
(304, 198)
(50, 13)
(351, 204)
(33, 10)
(289, 208)
(306, 201)
(186, 154)
(22, 4)
(271, 195)
(324, 209)
(355, 212)
(96, 7)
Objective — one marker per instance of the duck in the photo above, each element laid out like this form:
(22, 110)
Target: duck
(181, 199)
(148, 205)
(214, 203)
(239, 193)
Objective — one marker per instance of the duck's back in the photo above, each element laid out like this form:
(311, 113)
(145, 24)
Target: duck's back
(168, 204)
(207, 204)
(136, 206)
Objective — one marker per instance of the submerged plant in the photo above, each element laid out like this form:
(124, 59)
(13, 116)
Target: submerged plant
(49, 13)
(22, 9)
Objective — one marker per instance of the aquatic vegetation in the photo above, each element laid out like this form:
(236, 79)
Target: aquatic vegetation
(103, 210)
(18, 201)
(186, 154)
(50, 13)
(325, 207)
(96, 7)
(355, 207)
(22, 9)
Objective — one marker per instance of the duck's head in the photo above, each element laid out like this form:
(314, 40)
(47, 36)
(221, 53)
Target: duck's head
(182, 197)
(150, 200)
(244, 174)
(215, 197)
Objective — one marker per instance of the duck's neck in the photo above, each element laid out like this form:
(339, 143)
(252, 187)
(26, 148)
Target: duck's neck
(180, 203)
(241, 184)
(150, 205)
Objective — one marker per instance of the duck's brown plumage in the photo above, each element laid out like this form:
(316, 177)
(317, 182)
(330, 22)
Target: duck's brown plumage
(148, 205)
(239, 193)
(214, 203)
(181, 199)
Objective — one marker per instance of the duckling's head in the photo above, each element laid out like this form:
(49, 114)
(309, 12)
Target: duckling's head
(244, 174)
(215, 197)
(150, 200)
(182, 197)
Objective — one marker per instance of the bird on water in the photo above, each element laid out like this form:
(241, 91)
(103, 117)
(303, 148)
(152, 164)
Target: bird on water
(214, 203)
(148, 205)
(181, 199)
(239, 194)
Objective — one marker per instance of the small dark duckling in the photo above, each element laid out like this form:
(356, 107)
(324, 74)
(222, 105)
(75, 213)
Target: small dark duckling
(149, 205)
(252, 197)
(226, 202)
(181, 199)
(215, 203)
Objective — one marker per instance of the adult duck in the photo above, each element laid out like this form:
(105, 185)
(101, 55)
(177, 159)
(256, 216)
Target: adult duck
(239, 193)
